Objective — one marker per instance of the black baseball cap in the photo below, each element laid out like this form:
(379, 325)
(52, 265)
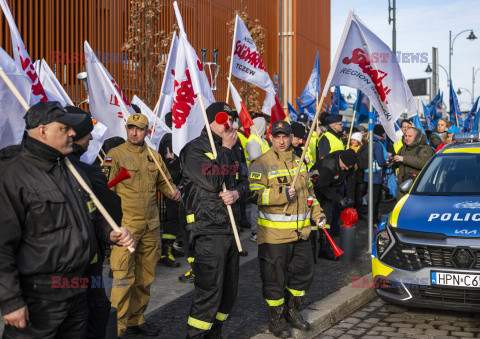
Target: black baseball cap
(44, 113)
(281, 126)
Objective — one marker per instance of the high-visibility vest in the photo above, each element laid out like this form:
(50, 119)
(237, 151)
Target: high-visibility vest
(336, 144)
(397, 146)
(263, 144)
(243, 141)
(312, 149)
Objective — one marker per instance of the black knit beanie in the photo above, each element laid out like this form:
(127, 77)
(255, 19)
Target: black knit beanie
(83, 128)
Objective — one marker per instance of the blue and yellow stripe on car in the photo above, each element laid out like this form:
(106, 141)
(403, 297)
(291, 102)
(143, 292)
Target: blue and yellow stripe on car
(396, 211)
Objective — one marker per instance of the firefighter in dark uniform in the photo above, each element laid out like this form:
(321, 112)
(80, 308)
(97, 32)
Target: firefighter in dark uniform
(282, 236)
(331, 140)
(48, 234)
(216, 255)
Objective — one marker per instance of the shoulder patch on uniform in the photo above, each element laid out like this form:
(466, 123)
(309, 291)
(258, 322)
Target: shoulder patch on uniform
(297, 161)
(106, 171)
(256, 175)
(108, 159)
(149, 158)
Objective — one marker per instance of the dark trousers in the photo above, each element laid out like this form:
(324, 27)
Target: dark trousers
(360, 190)
(53, 319)
(173, 223)
(377, 195)
(293, 259)
(187, 242)
(216, 268)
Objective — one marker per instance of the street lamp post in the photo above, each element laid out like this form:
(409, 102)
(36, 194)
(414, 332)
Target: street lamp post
(459, 92)
(474, 74)
(429, 70)
(450, 49)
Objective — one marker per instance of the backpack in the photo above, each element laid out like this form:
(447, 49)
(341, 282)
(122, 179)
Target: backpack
(362, 157)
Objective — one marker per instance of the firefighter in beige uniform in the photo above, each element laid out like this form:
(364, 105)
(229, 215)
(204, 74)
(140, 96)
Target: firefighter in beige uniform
(282, 237)
(136, 271)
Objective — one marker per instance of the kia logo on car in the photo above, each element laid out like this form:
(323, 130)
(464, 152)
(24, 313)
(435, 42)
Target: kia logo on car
(465, 232)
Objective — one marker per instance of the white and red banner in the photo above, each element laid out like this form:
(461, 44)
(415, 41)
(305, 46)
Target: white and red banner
(190, 82)
(12, 124)
(163, 106)
(50, 83)
(22, 58)
(106, 100)
(245, 117)
(99, 134)
(365, 62)
(246, 62)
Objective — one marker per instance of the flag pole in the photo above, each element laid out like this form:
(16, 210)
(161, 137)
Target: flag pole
(307, 142)
(351, 130)
(156, 112)
(231, 60)
(224, 188)
(72, 169)
(101, 160)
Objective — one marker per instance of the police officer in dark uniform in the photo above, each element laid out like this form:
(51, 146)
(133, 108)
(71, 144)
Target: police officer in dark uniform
(216, 264)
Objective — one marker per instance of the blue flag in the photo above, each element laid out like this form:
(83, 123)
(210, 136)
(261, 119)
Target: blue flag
(301, 109)
(338, 102)
(429, 112)
(361, 108)
(418, 123)
(313, 89)
(455, 113)
(471, 123)
(376, 118)
(292, 112)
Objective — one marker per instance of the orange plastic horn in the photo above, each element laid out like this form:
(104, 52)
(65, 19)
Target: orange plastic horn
(122, 175)
(338, 252)
(222, 119)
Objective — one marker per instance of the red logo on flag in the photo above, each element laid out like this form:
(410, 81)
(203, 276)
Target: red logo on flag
(361, 58)
(183, 102)
(252, 58)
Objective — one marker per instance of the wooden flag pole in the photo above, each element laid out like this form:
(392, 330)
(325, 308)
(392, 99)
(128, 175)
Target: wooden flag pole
(156, 112)
(72, 169)
(307, 142)
(101, 160)
(160, 169)
(351, 130)
(214, 151)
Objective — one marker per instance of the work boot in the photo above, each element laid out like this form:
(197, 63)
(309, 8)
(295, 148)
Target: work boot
(167, 257)
(188, 277)
(215, 332)
(292, 315)
(143, 329)
(276, 322)
(177, 253)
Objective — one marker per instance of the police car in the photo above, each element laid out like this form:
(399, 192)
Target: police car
(427, 251)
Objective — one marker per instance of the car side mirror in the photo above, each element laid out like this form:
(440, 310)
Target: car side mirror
(406, 185)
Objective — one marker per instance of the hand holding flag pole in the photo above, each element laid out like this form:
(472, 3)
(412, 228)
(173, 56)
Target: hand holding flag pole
(72, 169)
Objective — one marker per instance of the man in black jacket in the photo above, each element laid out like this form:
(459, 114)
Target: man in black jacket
(329, 174)
(98, 303)
(216, 262)
(47, 238)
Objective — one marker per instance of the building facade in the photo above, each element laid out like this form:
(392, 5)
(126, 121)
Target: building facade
(55, 30)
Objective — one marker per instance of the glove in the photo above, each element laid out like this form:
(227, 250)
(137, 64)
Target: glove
(346, 203)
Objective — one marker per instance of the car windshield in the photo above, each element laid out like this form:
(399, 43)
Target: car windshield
(451, 174)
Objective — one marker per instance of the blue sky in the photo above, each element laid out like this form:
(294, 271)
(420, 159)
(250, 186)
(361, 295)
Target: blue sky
(422, 25)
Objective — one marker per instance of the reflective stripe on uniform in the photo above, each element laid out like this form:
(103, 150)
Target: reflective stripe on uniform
(221, 316)
(277, 302)
(203, 325)
(265, 198)
(95, 259)
(254, 187)
(210, 156)
(283, 217)
(190, 218)
(315, 202)
(190, 259)
(296, 293)
(283, 224)
(169, 236)
(281, 173)
(315, 228)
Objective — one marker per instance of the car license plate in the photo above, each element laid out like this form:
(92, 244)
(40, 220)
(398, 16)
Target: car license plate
(455, 279)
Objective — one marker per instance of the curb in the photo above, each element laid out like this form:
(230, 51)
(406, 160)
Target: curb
(335, 307)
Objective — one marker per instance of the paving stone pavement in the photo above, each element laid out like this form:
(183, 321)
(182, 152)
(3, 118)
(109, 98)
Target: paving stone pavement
(249, 315)
(382, 320)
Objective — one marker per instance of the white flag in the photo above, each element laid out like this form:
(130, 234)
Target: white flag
(246, 62)
(154, 134)
(168, 82)
(365, 62)
(164, 105)
(107, 101)
(99, 134)
(50, 83)
(12, 124)
(22, 58)
(190, 81)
